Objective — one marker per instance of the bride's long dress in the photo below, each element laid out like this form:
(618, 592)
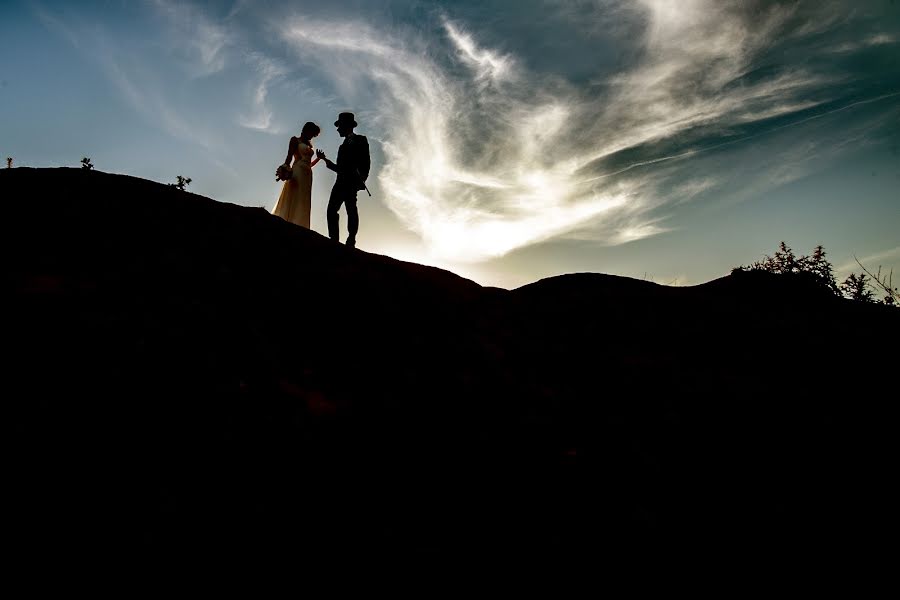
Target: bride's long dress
(295, 202)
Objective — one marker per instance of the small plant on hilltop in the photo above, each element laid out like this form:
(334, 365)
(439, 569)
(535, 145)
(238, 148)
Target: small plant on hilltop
(820, 268)
(9, 162)
(86, 163)
(182, 182)
(856, 287)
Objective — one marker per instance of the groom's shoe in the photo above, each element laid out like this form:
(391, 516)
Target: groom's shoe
(351, 243)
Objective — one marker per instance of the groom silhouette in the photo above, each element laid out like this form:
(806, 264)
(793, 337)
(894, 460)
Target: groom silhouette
(352, 168)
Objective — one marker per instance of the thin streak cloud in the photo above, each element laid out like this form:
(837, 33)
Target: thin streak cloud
(871, 262)
(137, 84)
(260, 117)
(149, 102)
(201, 42)
(878, 39)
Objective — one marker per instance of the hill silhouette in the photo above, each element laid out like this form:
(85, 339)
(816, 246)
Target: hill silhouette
(186, 375)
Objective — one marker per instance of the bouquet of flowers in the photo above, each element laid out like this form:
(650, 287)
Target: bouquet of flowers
(283, 173)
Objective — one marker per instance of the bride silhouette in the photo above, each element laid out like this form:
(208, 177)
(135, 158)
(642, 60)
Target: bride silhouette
(295, 202)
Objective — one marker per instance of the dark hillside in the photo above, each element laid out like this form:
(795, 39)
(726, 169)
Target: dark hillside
(186, 376)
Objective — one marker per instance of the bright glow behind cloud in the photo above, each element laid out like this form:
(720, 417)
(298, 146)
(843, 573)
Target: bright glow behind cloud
(482, 163)
(470, 192)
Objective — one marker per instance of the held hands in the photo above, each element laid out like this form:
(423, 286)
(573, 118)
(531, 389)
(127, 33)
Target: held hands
(321, 155)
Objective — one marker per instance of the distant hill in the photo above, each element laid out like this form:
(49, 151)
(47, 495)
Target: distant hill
(191, 376)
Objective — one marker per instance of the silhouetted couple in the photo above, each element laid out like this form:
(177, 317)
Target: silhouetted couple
(352, 168)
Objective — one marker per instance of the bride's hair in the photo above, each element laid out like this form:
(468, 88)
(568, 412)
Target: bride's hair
(311, 129)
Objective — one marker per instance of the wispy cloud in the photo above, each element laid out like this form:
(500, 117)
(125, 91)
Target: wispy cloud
(485, 160)
(877, 39)
(694, 187)
(871, 262)
(238, 7)
(483, 152)
(442, 180)
(137, 84)
(488, 65)
(148, 100)
(201, 42)
(260, 117)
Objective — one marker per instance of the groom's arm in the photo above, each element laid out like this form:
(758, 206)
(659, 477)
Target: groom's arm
(328, 162)
(365, 161)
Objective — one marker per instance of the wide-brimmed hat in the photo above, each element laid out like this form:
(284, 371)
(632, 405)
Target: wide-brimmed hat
(345, 119)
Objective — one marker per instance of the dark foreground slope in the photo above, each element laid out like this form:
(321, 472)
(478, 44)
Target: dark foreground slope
(187, 376)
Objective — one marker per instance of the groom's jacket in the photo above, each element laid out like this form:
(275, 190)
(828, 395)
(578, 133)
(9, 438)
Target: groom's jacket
(353, 162)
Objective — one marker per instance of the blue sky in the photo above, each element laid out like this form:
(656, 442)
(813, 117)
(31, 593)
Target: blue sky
(510, 141)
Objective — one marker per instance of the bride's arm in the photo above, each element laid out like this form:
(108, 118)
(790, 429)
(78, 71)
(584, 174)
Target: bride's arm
(313, 163)
(292, 145)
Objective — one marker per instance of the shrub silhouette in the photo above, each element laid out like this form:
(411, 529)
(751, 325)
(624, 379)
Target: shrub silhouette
(819, 269)
(856, 287)
(86, 163)
(785, 262)
(9, 162)
(883, 282)
(182, 182)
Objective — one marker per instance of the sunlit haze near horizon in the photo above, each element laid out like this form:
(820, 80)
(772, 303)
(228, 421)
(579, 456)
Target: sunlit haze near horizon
(511, 141)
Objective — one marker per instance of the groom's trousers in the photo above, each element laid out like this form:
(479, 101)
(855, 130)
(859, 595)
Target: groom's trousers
(346, 195)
